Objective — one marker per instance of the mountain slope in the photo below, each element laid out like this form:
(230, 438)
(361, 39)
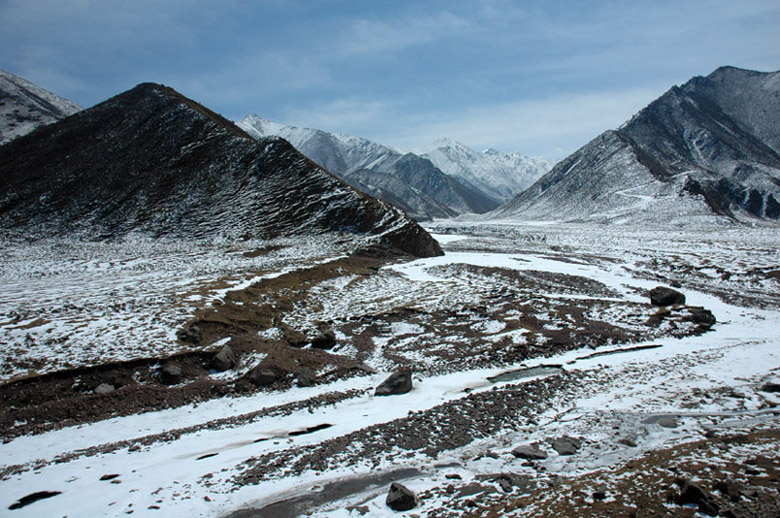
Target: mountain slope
(150, 160)
(499, 175)
(409, 181)
(708, 147)
(25, 106)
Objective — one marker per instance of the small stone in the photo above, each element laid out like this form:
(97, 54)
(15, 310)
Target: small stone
(109, 476)
(104, 388)
(627, 441)
(400, 498)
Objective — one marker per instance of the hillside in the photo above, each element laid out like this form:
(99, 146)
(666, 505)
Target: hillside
(25, 106)
(706, 149)
(152, 161)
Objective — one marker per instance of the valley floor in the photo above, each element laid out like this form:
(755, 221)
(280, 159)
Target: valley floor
(536, 335)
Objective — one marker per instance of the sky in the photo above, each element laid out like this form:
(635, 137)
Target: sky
(539, 77)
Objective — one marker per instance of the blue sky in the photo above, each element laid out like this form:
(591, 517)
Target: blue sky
(540, 77)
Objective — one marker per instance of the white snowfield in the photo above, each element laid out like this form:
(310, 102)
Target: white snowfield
(623, 393)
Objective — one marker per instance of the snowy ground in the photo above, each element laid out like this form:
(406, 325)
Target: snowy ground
(612, 402)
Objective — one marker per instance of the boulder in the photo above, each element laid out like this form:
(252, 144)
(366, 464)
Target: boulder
(661, 296)
(104, 388)
(566, 445)
(772, 388)
(690, 493)
(399, 382)
(170, 374)
(400, 498)
(262, 376)
(324, 340)
(668, 422)
(529, 452)
(190, 334)
(225, 359)
(305, 377)
(698, 315)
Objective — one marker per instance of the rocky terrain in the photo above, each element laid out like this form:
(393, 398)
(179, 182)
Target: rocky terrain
(538, 365)
(702, 151)
(25, 106)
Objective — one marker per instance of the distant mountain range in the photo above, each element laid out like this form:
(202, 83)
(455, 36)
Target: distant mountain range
(152, 161)
(445, 182)
(710, 147)
(25, 106)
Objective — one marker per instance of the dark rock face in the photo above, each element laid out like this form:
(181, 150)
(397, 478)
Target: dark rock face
(529, 452)
(690, 493)
(709, 146)
(325, 340)
(152, 161)
(170, 374)
(566, 445)
(262, 376)
(399, 382)
(225, 359)
(400, 498)
(661, 296)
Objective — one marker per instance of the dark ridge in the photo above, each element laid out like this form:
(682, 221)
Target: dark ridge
(151, 161)
(310, 429)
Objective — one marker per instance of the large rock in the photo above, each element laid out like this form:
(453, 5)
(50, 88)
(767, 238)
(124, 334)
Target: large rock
(170, 374)
(104, 388)
(700, 316)
(691, 494)
(662, 296)
(325, 340)
(529, 452)
(262, 376)
(225, 359)
(399, 382)
(566, 445)
(400, 498)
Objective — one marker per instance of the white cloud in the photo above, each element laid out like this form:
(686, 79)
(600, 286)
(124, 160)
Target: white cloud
(364, 36)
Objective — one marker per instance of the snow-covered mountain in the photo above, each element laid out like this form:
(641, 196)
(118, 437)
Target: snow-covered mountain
(152, 161)
(25, 106)
(499, 175)
(707, 148)
(407, 180)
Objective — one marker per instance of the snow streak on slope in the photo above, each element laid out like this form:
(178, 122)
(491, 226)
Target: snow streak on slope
(25, 106)
(406, 180)
(500, 175)
(707, 148)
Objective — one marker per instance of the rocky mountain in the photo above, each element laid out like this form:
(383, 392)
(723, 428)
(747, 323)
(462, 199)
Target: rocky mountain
(153, 161)
(406, 180)
(501, 176)
(25, 106)
(707, 147)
